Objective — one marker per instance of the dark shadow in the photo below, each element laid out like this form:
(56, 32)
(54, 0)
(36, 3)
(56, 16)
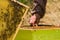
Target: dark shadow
(44, 25)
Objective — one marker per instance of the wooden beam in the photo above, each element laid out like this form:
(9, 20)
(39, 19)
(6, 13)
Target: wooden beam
(20, 3)
(20, 24)
(27, 8)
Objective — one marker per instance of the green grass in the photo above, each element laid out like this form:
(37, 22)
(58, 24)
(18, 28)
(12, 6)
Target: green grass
(38, 35)
(24, 35)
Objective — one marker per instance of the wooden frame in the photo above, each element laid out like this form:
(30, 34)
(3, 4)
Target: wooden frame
(27, 8)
